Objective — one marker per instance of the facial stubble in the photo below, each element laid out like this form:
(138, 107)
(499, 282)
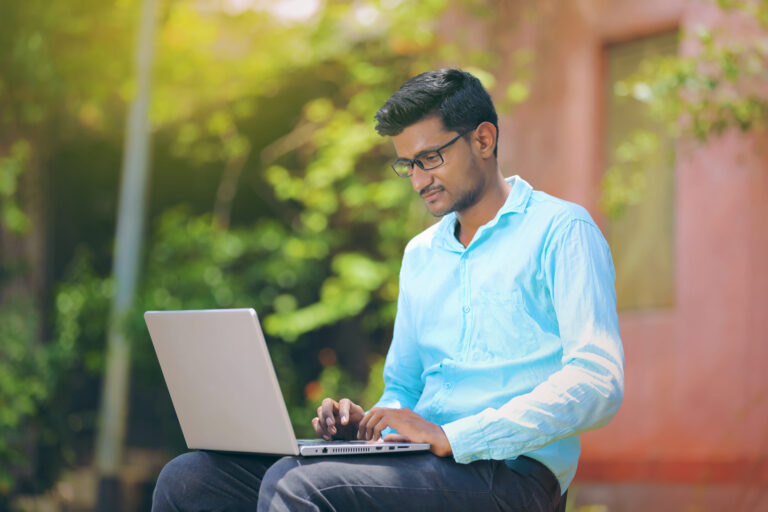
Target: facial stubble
(468, 199)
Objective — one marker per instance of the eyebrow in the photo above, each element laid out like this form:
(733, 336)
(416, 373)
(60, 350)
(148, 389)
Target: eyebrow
(421, 153)
(425, 151)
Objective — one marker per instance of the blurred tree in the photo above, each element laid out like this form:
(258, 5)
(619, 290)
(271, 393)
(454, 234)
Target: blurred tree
(51, 79)
(307, 223)
(328, 261)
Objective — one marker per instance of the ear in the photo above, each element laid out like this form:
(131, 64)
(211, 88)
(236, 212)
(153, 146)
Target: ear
(485, 137)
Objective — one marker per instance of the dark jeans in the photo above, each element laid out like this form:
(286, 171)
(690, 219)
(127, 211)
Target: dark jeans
(419, 481)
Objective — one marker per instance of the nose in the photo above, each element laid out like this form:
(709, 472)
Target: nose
(420, 178)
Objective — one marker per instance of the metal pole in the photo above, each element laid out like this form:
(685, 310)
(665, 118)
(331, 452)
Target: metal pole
(127, 252)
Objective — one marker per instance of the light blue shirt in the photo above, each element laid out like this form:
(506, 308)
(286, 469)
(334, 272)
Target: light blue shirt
(512, 343)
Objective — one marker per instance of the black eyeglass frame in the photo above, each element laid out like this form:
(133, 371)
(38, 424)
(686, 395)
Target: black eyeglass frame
(417, 161)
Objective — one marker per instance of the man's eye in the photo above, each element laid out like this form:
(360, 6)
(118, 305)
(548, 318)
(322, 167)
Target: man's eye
(431, 158)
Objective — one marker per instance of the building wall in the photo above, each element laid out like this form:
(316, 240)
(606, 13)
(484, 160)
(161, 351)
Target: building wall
(696, 401)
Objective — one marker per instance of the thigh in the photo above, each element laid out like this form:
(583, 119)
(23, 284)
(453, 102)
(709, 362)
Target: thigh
(419, 482)
(210, 481)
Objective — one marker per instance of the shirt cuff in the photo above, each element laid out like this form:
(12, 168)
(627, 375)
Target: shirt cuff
(467, 440)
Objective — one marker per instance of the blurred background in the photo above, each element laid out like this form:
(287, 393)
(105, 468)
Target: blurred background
(180, 154)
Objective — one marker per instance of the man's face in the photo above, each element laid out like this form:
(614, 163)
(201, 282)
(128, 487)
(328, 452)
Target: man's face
(455, 185)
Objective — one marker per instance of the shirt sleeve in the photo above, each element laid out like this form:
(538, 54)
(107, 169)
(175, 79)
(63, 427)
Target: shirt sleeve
(402, 367)
(587, 391)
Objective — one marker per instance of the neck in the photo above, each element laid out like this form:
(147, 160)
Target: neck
(483, 210)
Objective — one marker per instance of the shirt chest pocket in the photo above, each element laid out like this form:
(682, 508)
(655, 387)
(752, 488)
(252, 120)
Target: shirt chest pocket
(504, 330)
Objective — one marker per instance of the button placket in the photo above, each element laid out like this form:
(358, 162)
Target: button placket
(448, 377)
(466, 306)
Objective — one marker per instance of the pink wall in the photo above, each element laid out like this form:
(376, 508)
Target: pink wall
(696, 402)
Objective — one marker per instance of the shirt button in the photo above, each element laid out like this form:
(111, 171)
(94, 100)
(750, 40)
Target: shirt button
(466, 309)
(448, 385)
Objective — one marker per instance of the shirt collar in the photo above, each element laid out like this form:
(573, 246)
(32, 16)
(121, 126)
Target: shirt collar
(516, 202)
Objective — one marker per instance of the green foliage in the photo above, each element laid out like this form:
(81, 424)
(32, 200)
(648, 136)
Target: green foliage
(29, 374)
(22, 383)
(705, 95)
(33, 374)
(333, 253)
(52, 72)
(624, 183)
(52, 63)
(756, 9)
(82, 305)
(375, 387)
(11, 167)
(722, 86)
(319, 255)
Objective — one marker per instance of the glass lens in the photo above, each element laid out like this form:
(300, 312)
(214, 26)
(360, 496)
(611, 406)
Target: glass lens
(431, 160)
(402, 168)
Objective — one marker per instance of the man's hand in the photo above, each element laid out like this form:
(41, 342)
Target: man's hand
(338, 420)
(410, 426)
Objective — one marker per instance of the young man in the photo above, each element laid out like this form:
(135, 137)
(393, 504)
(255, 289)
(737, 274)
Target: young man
(506, 342)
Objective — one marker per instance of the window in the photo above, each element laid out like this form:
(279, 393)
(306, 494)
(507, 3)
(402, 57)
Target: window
(639, 185)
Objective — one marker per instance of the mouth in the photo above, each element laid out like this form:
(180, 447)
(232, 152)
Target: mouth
(431, 194)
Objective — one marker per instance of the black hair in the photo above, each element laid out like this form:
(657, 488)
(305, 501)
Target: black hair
(456, 96)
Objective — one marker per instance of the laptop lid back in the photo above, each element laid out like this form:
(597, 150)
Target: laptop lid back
(221, 380)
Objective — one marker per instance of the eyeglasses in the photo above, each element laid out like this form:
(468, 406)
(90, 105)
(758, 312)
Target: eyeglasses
(403, 167)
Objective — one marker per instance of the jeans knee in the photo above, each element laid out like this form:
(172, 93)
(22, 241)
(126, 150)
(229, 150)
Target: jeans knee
(173, 482)
(280, 474)
(285, 487)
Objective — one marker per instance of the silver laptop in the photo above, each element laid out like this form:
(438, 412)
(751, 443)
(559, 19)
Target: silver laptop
(224, 389)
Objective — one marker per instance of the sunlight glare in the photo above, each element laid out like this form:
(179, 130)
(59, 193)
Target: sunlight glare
(293, 10)
(285, 10)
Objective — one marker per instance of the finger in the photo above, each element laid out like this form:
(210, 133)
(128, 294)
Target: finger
(396, 438)
(329, 408)
(319, 429)
(370, 427)
(356, 412)
(344, 405)
(324, 432)
(361, 428)
(320, 421)
(381, 425)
